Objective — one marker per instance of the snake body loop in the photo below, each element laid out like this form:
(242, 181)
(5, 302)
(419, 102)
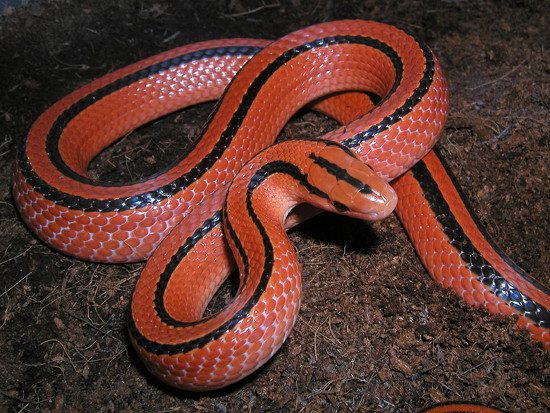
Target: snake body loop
(174, 218)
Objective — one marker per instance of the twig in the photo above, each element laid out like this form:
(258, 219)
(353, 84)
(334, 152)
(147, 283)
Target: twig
(501, 136)
(477, 366)
(15, 285)
(257, 9)
(19, 399)
(17, 256)
(172, 37)
(508, 73)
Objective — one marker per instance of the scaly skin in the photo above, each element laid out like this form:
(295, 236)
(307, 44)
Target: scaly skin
(173, 218)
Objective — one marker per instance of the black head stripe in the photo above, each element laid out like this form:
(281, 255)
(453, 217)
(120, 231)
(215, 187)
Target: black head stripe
(341, 174)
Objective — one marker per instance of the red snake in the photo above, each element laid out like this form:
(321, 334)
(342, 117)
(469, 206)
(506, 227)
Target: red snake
(174, 218)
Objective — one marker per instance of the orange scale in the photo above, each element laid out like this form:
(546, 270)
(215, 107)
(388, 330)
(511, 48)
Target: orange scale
(467, 296)
(101, 220)
(246, 324)
(93, 229)
(169, 361)
(278, 289)
(128, 226)
(253, 357)
(269, 332)
(136, 216)
(57, 243)
(482, 288)
(199, 358)
(68, 215)
(177, 373)
(493, 308)
(200, 186)
(122, 253)
(478, 297)
(148, 221)
(456, 285)
(42, 204)
(465, 273)
(446, 281)
(211, 187)
(240, 360)
(184, 198)
(455, 259)
(92, 243)
(256, 336)
(281, 328)
(288, 287)
(83, 219)
(117, 220)
(524, 322)
(110, 228)
(242, 345)
(216, 349)
(429, 261)
(54, 212)
(268, 341)
(75, 242)
(394, 135)
(255, 347)
(111, 245)
(70, 233)
(165, 216)
(41, 220)
(75, 226)
(47, 214)
(271, 316)
(258, 312)
(505, 309)
(439, 244)
(139, 232)
(29, 211)
(466, 284)
(46, 232)
(84, 236)
(196, 200)
(209, 363)
(152, 239)
(101, 236)
(223, 175)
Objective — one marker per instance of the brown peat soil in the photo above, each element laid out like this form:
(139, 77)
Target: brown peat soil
(375, 333)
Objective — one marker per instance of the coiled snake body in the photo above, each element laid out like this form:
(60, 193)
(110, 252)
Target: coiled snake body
(174, 218)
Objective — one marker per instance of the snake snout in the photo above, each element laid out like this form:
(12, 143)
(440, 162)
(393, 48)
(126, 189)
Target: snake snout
(379, 203)
(377, 199)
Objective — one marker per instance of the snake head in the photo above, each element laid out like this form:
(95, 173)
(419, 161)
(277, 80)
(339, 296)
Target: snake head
(348, 186)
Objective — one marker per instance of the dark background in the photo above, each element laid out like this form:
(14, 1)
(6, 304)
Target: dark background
(375, 333)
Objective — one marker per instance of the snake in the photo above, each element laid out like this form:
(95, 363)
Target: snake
(459, 408)
(227, 200)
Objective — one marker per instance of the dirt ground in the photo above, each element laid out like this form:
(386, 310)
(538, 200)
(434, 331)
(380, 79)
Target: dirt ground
(375, 333)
